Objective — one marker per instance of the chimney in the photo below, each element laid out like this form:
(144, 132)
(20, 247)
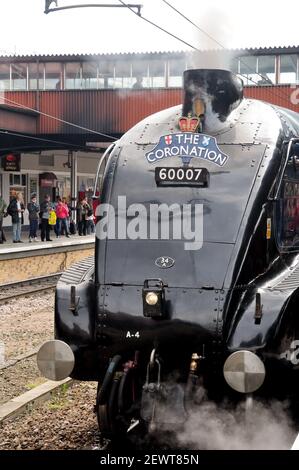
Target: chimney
(211, 95)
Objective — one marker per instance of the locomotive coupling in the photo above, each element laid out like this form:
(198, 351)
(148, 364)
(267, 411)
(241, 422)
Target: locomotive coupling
(55, 360)
(244, 371)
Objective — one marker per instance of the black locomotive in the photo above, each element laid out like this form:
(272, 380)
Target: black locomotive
(156, 316)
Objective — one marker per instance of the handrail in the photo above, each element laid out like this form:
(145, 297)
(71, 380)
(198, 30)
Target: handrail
(291, 141)
(105, 154)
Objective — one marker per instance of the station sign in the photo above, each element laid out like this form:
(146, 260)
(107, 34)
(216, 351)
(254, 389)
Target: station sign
(11, 162)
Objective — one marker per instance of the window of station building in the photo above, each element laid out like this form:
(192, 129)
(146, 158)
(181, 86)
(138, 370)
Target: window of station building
(176, 69)
(19, 76)
(86, 187)
(36, 76)
(63, 186)
(140, 74)
(234, 65)
(123, 75)
(4, 77)
(157, 73)
(90, 75)
(53, 76)
(266, 70)
(248, 70)
(106, 74)
(17, 184)
(73, 79)
(288, 68)
(16, 179)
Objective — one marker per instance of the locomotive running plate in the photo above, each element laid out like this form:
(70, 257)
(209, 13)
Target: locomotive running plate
(185, 176)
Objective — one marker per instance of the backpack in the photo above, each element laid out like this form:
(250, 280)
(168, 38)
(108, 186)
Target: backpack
(72, 228)
(52, 218)
(9, 210)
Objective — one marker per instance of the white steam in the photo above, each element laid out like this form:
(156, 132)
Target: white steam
(263, 427)
(218, 25)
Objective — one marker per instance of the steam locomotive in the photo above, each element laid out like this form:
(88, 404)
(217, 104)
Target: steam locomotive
(156, 315)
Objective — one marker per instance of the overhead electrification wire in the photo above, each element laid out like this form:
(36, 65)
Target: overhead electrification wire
(191, 22)
(22, 106)
(158, 27)
(284, 97)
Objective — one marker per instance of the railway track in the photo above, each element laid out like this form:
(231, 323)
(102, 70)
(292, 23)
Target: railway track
(17, 289)
(15, 360)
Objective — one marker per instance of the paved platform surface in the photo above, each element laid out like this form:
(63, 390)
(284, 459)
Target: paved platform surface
(10, 247)
(21, 261)
(25, 239)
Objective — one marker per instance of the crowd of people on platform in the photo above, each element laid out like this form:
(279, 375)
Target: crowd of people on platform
(47, 217)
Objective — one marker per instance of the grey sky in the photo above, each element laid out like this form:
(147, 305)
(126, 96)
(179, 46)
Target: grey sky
(25, 29)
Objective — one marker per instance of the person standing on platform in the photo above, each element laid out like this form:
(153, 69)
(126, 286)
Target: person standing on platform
(2, 215)
(82, 210)
(62, 213)
(33, 209)
(45, 209)
(90, 220)
(15, 210)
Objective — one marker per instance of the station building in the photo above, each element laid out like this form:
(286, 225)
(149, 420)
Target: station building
(58, 113)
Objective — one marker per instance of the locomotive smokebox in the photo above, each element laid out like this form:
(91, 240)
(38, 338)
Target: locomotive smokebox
(211, 95)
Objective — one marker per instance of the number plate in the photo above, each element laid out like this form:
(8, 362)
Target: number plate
(182, 176)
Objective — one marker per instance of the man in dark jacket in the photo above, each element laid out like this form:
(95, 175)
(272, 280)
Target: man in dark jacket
(45, 209)
(2, 214)
(15, 210)
(33, 209)
(82, 210)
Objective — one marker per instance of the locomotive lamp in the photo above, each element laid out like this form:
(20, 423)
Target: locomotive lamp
(153, 298)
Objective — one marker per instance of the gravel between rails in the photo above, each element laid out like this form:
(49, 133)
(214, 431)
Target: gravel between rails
(66, 422)
(19, 378)
(25, 323)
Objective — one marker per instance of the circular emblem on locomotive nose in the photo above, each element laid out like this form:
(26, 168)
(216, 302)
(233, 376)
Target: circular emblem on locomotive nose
(164, 262)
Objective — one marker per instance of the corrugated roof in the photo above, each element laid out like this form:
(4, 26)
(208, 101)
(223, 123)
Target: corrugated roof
(241, 51)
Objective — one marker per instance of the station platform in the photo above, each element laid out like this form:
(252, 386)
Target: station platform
(21, 261)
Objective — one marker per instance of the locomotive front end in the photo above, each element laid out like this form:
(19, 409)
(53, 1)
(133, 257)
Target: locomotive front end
(173, 302)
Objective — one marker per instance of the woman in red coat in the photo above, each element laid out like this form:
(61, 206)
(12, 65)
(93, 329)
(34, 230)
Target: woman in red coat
(62, 213)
